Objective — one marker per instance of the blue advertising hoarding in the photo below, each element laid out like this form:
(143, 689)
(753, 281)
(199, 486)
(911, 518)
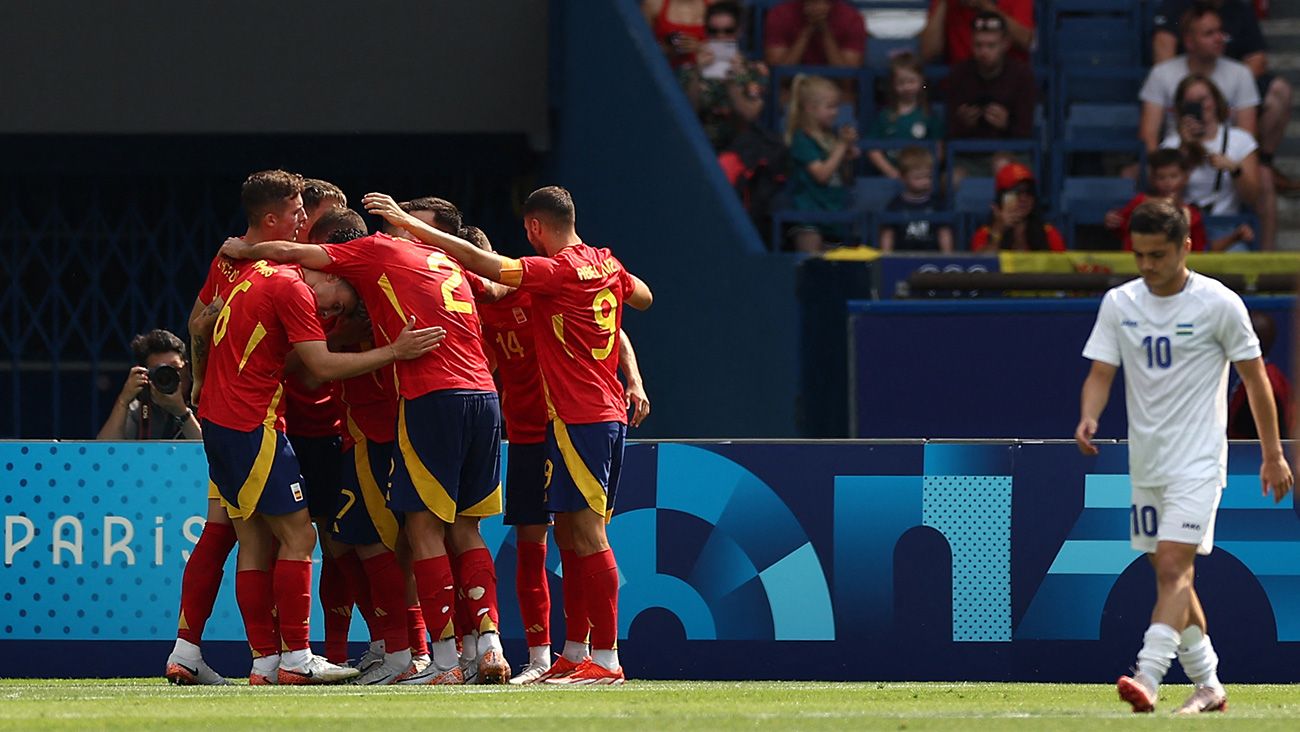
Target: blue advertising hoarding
(874, 560)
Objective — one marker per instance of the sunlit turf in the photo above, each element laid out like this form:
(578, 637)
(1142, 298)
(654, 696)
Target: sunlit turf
(130, 704)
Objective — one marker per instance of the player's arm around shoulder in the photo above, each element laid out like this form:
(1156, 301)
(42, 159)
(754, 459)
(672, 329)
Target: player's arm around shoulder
(311, 256)
(480, 262)
(327, 365)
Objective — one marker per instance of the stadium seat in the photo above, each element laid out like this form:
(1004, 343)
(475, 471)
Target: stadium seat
(871, 194)
(1093, 120)
(970, 202)
(1107, 41)
(1084, 201)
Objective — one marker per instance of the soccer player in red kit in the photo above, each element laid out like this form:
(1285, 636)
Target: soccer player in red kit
(579, 291)
(446, 472)
(268, 200)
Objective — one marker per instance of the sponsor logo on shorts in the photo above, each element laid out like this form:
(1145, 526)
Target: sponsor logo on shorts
(297, 491)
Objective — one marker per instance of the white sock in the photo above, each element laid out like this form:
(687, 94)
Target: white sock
(377, 647)
(1200, 662)
(295, 659)
(539, 656)
(187, 650)
(489, 642)
(266, 665)
(400, 658)
(444, 653)
(469, 645)
(607, 659)
(574, 651)
(1159, 647)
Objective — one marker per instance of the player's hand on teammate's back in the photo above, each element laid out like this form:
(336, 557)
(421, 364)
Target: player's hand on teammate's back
(1275, 475)
(1083, 436)
(414, 342)
(236, 248)
(638, 402)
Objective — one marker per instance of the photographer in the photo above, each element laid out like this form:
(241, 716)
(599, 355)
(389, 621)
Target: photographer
(152, 404)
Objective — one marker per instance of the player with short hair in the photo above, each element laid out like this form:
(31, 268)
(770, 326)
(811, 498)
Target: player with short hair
(1175, 332)
(579, 291)
(446, 473)
(437, 212)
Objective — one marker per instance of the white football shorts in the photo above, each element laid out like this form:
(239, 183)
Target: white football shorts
(1181, 512)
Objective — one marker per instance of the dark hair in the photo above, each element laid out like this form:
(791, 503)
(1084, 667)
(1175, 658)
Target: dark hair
(911, 158)
(1165, 157)
(475, 236)
(335, 219)
(338, 236)
(446, 217)
(1195, 151)
(723, 7)
(1155, 216)
(265, 191)
(906, 61)
(552, 203)
(1198, 10)
(156, 341)
(315, 191)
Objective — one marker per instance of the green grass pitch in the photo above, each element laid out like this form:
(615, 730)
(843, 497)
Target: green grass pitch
(132, 704)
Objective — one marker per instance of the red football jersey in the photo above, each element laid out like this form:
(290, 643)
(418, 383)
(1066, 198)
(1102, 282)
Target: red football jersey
(223, 273)
(398, 279)
(371, 403)
(311, 412)
(508, 333)
(266, 311)
(578, 304)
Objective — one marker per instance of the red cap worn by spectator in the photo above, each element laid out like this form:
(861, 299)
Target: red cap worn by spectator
(1011, 175)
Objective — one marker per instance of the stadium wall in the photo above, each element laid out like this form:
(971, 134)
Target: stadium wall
(719, 348)
(865, 560)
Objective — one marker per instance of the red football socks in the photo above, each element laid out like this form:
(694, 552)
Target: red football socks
(478, 588)
(460, 611)
(388, 590)
(293, 602)
(600, 577)
(433, 582)
(257, 606)
(576, 623)
(359, 588)
(202, 579)
(534, 592)
(417, 634)
(336, 601)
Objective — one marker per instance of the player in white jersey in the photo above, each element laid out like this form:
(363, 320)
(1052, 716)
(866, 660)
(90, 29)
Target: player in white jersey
(1175, 332)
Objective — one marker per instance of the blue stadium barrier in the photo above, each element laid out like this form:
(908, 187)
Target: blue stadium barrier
(1000, 560)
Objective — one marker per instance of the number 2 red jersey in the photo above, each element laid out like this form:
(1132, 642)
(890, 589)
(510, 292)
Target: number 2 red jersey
(267, 309)
(397, 279)
(508, 333)
(577, 306)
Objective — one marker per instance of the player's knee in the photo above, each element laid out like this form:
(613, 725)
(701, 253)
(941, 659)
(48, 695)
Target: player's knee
(589, 537)
(297, 539)
(1280, 89)
(1172, 569)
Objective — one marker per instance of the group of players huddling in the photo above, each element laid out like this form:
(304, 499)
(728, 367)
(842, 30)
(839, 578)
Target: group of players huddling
(345, 378)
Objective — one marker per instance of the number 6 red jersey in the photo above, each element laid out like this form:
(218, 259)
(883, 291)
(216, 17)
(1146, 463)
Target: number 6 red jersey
(398, 279)
(577, 310)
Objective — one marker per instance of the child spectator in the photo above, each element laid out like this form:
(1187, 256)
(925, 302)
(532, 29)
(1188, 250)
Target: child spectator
(918, 234)
(1017, 223)
(1168, 171)
(821, 156)
(907, 116)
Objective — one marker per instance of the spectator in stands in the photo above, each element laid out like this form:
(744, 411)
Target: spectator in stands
(815, 33)
(947, 32)
(991, 95)
(1241, 422)
(907, 116)
(1224, 160)
(1245, 43)
(1017, 224)
(822, 156)
(678, 25)
(727, 94)
(919, 234)
(1167, 172)
(152, 404)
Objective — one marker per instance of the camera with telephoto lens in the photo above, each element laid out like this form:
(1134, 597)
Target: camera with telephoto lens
(166, 379)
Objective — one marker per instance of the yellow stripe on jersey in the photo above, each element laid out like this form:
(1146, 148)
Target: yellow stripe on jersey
(251, 491)
(371, 495)
(557, 327)
(587, 483)
(512, 272)
(259, 333)
(431, 491)
(387, 287)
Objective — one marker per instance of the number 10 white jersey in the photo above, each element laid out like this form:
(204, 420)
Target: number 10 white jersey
(1175, 353)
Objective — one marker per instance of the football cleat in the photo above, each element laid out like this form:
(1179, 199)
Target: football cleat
(1205, 699)
(187, 672)
(392, 670)
(469, 670)
(369, 660)
(589, 673)
(1137, 694)
(256, 679)
(561, 667)
(492, 668)
(421, 662)
(315, 671)
(530, 674)
(434, 676)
